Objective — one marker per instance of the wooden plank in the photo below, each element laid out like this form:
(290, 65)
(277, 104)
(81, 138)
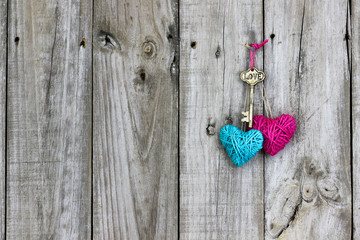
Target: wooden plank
(49, 120)
(3, 52)
(308, 184)
(135, 120)
(354, 35)
(217, 199)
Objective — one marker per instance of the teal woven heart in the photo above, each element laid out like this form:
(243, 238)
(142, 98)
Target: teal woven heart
(241, 146)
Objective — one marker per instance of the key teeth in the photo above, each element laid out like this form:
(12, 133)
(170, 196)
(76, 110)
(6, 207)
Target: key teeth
(245, 120)
(246, 117)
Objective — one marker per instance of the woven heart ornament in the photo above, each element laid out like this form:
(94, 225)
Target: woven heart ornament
(241, 146)
(277, 132)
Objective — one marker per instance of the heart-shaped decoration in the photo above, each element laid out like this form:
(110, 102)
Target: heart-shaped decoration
(241, 146)
(277, 132)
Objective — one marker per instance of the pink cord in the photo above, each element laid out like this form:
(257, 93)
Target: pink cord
(253, 48)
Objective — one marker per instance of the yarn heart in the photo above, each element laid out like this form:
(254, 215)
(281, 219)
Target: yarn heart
(241, 146)
(277, 132)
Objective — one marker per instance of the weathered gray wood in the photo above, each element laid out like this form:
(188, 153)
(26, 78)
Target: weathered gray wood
(217, 199)
(3, 47)
(135, 120)
(49, 120)
(308, 184)
(354, 35)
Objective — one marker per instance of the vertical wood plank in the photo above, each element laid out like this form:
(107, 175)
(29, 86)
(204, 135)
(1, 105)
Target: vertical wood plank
(355, 48)
(3, 60)
(49, 120)
(308, 184)
(217, 199)
(135, 120)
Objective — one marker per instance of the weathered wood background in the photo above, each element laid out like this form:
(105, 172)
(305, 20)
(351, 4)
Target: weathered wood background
(110, 112)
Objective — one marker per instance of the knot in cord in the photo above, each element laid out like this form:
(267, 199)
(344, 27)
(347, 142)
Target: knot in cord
(254, 47)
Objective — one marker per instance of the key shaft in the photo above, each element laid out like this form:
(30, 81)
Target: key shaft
(251, 77)
(251, 107)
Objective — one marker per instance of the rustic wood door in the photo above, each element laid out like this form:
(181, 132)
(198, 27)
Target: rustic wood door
(110, 112)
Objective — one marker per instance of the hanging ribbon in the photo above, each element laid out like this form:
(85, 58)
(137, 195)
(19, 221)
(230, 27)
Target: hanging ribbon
(253, 48)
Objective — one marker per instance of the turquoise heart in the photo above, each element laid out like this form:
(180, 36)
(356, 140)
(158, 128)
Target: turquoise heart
(241, 146)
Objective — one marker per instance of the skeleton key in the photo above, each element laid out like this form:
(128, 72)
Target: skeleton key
(251, 77)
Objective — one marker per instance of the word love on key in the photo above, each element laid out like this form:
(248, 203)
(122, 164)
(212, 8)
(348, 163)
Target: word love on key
(252, 76)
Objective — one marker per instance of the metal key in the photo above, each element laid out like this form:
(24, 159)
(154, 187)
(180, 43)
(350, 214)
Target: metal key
(251, 77)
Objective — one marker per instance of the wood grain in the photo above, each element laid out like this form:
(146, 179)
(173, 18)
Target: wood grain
(217, 199)
(354, 36)
(308, 184)
(128, 107)
(49, 120)
(135, 120)
(3, 61)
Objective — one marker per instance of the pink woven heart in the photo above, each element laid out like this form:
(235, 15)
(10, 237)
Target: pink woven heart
(277, 132)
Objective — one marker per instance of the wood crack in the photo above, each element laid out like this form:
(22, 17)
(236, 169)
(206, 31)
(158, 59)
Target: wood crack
(223, 47)
(300, 50)
(301, 36)
(5, 138)
(292, 218)
(349, 58)
(348, 38)
(47, 99)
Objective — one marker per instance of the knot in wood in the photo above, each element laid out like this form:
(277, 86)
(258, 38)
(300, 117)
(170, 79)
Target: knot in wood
(193, 44)
(17, 40)
(149, 48)
(210, 130)
(217, 53)
(328, 189)
(308, 191)
(228, 120)
(83, 43)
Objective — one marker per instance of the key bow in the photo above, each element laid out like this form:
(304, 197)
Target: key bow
(252, 77)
